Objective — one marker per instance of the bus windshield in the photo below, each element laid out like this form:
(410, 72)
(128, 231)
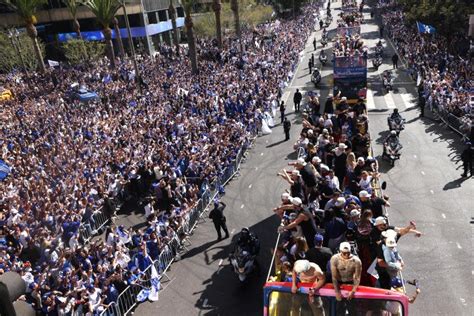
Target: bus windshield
(280, 301)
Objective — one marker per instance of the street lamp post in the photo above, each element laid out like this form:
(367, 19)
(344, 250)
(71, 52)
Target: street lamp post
(14, 37)
(132, 48)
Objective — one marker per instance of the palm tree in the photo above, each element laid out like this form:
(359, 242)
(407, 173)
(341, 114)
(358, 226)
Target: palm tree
(216, 6)
(234, 6)
(188, 22)
(172, 13)
(26, 9)
(72, 7)
(118, 36)
(104, 11)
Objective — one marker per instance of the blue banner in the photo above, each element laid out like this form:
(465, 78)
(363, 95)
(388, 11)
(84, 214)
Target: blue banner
(425, 28)
(350, 67)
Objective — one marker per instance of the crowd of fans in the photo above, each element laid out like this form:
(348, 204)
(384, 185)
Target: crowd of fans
(69, 158)
(445, 76)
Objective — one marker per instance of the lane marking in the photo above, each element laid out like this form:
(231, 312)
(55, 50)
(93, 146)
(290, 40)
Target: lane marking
(444, 216)
(242, 206)
(406, 97)
(423, 173)
(458, 245)
(389, 100)
(250, 186)
(285, 97)
(370, 100)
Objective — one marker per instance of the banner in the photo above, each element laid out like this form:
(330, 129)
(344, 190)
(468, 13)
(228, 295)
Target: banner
(350, 67)
(53, 63)
(425, 28)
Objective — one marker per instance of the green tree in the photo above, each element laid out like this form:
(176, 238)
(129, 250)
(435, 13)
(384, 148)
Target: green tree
(9, 58)
(118, 36)
(188, 23)
(104, 11)
(72, 6)
(26, 9)
(234, 6)
(73, 47)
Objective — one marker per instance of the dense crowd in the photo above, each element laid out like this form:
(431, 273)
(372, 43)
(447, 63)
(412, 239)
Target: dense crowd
(445, 76)
(69, 158)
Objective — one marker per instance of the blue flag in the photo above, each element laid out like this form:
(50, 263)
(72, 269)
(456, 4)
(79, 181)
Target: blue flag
(425, 28)
(4, 170)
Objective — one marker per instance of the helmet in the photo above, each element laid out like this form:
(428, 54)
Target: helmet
(393, 133)
(395, 110)
(245, 232)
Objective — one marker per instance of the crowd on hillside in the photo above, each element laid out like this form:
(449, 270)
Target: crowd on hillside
(445, 77)
(66, 158)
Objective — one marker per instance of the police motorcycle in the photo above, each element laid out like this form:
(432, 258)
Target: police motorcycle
(387, 80)
(316, 76)
(392, 148)
(243, 258)
(323, 58)
(396, 122)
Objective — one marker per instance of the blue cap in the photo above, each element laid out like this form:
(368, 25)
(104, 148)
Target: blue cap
(318, 238)
(396, 282)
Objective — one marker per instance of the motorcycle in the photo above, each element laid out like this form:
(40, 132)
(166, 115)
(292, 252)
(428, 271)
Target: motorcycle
(379, 50)
(396, 124)
(323, 58)
(243, 263)
(324, 41)
(376, 62)
(328, 21)
(316, 76)
(392, 151)
(388, 81)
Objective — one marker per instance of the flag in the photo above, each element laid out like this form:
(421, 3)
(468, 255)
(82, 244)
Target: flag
(155, 284)
(4, 170)
(53, 63)
(425, 28)
(372, 271)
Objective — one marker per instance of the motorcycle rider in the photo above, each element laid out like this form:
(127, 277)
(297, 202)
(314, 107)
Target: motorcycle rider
(322, 56)
(391, 139)
(394, 117)
(248, 242)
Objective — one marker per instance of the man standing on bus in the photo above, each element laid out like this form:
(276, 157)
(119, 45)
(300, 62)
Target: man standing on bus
(307, 272)
(345, 269)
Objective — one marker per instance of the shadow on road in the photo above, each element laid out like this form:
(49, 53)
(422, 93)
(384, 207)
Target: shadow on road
(277, 143)
(455, 184)
(224, 293)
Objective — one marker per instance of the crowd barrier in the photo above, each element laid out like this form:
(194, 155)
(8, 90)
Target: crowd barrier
(127, 300)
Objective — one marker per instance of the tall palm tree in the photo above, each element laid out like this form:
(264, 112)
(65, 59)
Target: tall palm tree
(72, 7)
(104, 11)
(216, 6)
(118, 36)
(172, 13)
(234, 6)
(188, 22)
(26, 9)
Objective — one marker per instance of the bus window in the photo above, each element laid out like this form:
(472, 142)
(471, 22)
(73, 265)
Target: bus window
(288, 304)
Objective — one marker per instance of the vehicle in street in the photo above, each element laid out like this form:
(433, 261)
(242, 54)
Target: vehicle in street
(323, 58)
(392, 150)
(376, 62)
(316, 76)
(396, 122)
(387, 80)
(278, 300)
(243, 263)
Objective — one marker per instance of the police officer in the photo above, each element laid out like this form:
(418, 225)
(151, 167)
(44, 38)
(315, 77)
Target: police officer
(286, 128)
(466, 157)
(218, 218)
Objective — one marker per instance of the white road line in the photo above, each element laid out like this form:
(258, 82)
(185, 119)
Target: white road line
(444, 216)
(242, 206)
(250, 186)
(406, 97)
(458, 245)
(389, 100)
(422, 172)
(370, 100)
(285, 96)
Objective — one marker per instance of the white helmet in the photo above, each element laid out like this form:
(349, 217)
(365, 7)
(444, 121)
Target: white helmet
(393, 132)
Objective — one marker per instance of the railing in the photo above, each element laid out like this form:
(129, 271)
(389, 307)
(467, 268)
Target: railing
(127, 300)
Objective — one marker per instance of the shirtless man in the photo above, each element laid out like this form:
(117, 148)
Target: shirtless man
(308, 272)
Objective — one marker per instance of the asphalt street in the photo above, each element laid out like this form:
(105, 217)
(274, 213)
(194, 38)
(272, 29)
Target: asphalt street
(424, 186)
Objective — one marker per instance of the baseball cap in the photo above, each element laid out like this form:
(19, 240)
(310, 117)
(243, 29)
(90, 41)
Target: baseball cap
(302, 266)
(340, 201)
(355, 213)
(296, 201)
(380, 220)
(301, 161)
(364, 194)
(345, 247)
(285, 195)
(318, 238)
(390, 242)
(389, 233)
(295, 172)
(316, 159)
